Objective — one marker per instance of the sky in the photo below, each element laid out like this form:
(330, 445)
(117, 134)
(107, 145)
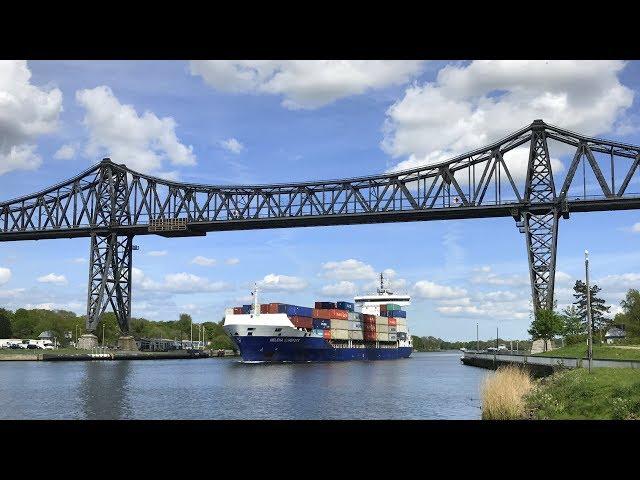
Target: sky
(248, 122)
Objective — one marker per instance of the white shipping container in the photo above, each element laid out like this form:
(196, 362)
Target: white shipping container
(382, 337)
(382, 328)
(393, 337)
(354, 316)
(340, 324)
(229, 311)
(401, 328)
(353, 335)
(393, 329)
(382, 320)
(339, 334)
(355, 325)
(401, 321)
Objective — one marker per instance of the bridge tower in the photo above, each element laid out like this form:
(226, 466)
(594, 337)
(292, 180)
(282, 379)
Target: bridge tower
(540, 228)
(110, 256)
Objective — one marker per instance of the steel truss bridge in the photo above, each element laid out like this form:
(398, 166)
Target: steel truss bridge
(110, 204)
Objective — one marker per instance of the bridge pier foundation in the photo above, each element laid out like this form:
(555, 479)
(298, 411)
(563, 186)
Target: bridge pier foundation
(87, 341)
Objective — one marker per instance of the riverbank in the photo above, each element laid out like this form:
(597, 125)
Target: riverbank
(600, 352)
(603, 394)
(72, 354)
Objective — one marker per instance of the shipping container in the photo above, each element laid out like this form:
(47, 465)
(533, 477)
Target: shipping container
(369, 327)
(392, 322)
(237, 310)
(401, 321)
(353, 335)
(382, 337)
(401, 336)
(264, 308)
(368, 318)
(370, 337)
(325, 305)
(381, 327)
(382, 320)
(301, 322)
(330, 314)
(392, 329)
(339, 334)
(345, 306)
(393, 306)
(317, 333)
(246, 309)
(326, 334)
(393, 337)
(355, 325)
(383, 310)
(401, 328)
(355, 316)
(397, 313)
(339, 324)
(228, 311)
(321, 323)
(273, 307)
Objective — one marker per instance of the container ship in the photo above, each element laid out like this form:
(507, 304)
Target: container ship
(280, 332)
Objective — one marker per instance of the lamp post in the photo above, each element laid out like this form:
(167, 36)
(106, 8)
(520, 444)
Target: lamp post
(590, 341)
(103, 335)
(477, 339)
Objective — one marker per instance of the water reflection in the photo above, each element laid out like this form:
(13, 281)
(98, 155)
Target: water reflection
(104, 390)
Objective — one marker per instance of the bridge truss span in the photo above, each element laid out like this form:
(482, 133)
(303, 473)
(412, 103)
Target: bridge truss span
(517, 176)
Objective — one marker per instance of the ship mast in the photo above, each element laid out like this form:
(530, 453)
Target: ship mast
(256, 308)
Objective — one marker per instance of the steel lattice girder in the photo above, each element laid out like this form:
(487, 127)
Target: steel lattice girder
(110, 279)
(541, 233)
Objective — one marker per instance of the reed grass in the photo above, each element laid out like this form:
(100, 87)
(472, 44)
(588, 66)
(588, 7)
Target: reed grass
(503, 394)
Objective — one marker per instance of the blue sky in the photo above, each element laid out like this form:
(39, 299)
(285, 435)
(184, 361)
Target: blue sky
(264, 122)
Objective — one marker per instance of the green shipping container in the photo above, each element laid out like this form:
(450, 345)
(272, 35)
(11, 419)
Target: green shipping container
(393, 306)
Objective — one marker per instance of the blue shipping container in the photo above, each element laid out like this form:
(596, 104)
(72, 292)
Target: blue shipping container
(305, 312)
(397, 313)
(321, 323)
(318, 332)
(345, 306)
(246, 309)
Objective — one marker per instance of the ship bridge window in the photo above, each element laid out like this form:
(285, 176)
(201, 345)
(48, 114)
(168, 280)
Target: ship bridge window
(249, 334)
(278, 329)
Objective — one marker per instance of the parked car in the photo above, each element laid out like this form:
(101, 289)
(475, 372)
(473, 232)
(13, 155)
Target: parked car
(33, 346)
(48, 347)
(15, 346)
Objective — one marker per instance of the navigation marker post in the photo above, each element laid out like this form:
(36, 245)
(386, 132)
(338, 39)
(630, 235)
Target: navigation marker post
(590, 340)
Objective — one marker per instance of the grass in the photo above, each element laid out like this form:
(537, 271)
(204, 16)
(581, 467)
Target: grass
(604, 352)
(606, 394)
(25, 351)
(503, 394)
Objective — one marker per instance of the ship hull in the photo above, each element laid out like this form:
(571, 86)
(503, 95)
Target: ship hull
(309, 349)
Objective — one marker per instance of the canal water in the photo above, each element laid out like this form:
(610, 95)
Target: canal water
(425, 386)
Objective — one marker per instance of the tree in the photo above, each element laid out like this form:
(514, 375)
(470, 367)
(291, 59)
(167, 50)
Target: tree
(184, 324)
(546, 325)
(572, 321)
(630, 316)
(5, 323)
(599, 323)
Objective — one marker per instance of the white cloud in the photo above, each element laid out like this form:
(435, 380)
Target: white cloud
(203, 261)
(53, 278)
(304, 84)
(350, 269)
(620, 282)
(431, 290)
(65, 152)
(469, 106)
(232, 261)
(232, 145)
(79, 260)
(157, 253)
(340, 288)
(26, 111)
(282, 283)
(177, 283)
(142, 142)
(391, 282)
(636, 228)
(5, 275)
(11, 294)
(485, 275)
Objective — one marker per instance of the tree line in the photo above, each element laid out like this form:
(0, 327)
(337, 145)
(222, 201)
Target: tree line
(572, 322)
(67, 326)
(434, 344)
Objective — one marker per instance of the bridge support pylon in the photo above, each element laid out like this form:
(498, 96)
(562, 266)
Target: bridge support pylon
(540, 228)
(110, 262)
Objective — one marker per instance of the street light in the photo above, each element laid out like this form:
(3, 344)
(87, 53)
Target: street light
(590, 341)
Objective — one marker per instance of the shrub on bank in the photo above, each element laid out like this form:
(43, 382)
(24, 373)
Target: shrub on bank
(503, 394)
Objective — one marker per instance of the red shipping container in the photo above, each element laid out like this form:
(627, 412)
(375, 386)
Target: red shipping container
(340, 314)
(264, 308)
(273, 308)
(332, 314)
(326, 334)
(237, 310)
(393, 321)
(301, 322)
(369, 318)
(383, 310)
(320, 313)
(369, 335)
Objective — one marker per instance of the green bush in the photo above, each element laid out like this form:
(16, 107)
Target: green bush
(576, 339)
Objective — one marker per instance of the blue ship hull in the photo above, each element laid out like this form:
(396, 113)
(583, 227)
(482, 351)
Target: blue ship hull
(309, 349)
